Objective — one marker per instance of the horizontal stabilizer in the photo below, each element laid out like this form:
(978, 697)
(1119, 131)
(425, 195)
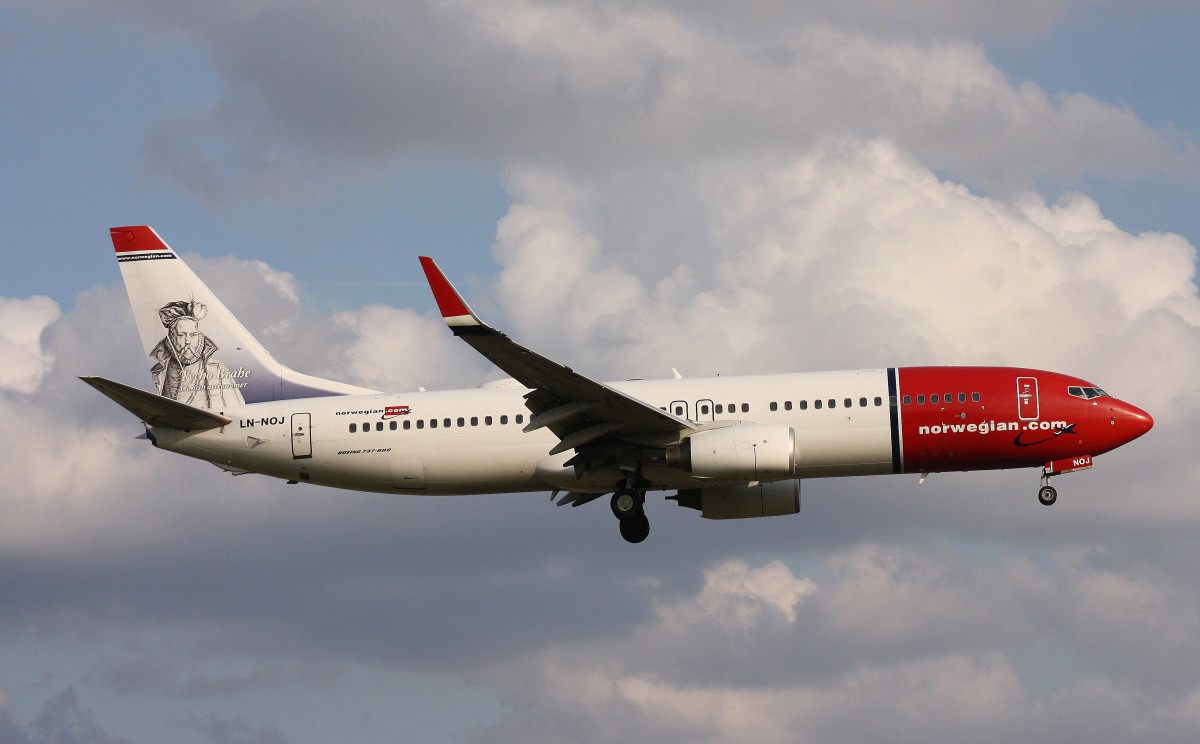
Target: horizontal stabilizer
(156, 410)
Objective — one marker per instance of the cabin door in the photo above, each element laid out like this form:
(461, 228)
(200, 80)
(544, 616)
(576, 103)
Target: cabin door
(301, 436)
(1027, 398)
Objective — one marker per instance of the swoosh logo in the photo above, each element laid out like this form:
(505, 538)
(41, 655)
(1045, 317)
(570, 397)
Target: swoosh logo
(1021, 441)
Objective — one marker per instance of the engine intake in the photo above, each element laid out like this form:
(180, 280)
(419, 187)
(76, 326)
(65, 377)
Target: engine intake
(747, 452)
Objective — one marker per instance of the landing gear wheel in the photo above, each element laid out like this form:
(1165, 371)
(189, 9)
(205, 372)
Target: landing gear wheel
(1047, 495)
(626, 504)
(635, 528)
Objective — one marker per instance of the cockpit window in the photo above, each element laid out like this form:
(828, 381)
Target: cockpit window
(1087, 393)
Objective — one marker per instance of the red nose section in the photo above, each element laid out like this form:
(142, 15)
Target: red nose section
(1126, 422)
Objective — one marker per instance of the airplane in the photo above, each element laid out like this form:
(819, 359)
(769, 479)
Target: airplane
(729, 446)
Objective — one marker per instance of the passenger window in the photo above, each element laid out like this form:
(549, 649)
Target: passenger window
(804, 405)
(392, 425)
(487, 420)
(704, 410)
(461, 422)
(678, 411)
(420, 423)
(908, 400)
(733, 407)
(974, 397)
(774, 406)
(862, 402)
(933, 398)
(832, 403)
(848, 403)
(378, 426)
(353, 428)
(962, 397)
(787, 405)
(520, 418)
(920, 400)
(719, 408)
(878, 401)
(407, 424)
(817, 404)
(504, 419)
(474, 421)
(745, 408)
(432, 423)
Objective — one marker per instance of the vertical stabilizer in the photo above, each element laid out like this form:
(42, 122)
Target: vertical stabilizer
(198, 352)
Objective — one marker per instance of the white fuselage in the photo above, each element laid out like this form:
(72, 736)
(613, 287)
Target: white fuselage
(473, 441)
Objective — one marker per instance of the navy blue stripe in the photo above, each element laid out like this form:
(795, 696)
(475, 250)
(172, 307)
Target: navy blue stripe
(894, 403)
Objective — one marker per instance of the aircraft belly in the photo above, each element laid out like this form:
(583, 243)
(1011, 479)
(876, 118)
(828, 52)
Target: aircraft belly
(490, 469)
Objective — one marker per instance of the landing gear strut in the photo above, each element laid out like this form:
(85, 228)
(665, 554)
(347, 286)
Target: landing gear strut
(628, 506)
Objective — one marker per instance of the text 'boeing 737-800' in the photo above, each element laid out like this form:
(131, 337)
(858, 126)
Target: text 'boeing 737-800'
(729, 447)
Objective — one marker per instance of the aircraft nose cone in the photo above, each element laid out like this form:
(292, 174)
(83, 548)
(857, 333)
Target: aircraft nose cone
(1129, 421)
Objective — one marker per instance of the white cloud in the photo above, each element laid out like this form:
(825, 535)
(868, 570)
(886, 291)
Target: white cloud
(976, 18)
(743, 597)
(632, 687)
(314, 96)
(21, 326)
(398, 350)
(852, 234)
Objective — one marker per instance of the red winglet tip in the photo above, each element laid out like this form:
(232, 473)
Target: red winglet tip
(449, 303)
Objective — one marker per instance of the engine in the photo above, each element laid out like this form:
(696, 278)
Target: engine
(746, 452)
(742, 502)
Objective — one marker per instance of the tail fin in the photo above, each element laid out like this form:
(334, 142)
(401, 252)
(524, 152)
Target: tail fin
(199, 354)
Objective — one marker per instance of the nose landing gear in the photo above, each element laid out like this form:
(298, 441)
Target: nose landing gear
(628, 506)
(1047, 495)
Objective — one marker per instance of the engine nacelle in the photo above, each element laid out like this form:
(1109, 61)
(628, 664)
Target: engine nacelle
(743, 502)
(745, 452)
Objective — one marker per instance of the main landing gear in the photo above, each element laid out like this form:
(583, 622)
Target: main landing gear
(628, 506)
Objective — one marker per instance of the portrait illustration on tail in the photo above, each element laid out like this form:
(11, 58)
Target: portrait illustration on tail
(185, 368)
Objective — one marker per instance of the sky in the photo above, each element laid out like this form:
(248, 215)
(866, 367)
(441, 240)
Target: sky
(627, 188)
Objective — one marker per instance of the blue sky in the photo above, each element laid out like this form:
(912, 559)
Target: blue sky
(627, 188)
(79, 101)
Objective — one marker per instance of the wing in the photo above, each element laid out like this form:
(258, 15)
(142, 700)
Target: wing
(597, 421)
(156, 410)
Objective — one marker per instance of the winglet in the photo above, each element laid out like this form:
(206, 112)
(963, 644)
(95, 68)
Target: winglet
(450, 303)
